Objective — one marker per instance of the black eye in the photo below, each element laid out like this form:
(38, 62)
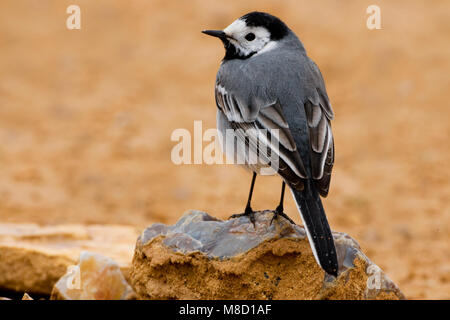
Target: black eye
(250, 36)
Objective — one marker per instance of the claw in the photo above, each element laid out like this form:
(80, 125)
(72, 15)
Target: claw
(279, 212)
(248, 213)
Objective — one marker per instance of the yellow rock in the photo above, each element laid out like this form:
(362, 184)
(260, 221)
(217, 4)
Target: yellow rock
(201, 257)
(26, 296)
(33, 257)
(95, 277)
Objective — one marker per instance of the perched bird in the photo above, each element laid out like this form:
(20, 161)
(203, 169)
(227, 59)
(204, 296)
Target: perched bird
(267, 81)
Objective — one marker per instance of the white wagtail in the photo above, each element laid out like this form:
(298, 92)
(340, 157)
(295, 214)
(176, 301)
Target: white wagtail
(266, 81)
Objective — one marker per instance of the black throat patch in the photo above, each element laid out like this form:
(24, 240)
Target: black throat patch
(231, 52)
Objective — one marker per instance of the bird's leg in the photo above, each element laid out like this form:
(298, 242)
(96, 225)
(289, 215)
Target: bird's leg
(248, 209)
(280, 208)
(279, 211)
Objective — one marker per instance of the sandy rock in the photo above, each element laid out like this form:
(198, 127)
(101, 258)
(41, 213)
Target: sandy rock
(201, 257)
(26, 296)
(33, 258)
(95, 277)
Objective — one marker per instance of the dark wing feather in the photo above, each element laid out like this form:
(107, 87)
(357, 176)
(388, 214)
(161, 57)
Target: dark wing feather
(321, 141)
(319, 114)
(270, 117)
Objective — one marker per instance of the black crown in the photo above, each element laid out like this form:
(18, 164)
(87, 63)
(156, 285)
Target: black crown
(275, 26)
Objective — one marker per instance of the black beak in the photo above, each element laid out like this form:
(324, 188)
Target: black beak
(216, 33)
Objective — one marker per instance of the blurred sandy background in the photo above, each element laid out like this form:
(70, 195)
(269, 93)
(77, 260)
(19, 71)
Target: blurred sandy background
(86, 118)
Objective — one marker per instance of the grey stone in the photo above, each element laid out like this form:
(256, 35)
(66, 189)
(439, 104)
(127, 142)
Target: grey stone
(217, 240)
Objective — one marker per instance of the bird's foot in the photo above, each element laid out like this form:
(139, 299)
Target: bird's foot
(279, 212)
(247, 213)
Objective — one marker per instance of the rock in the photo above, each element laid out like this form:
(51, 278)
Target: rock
(201, 257)
(33, 258)
(26, 296)
(95, 277)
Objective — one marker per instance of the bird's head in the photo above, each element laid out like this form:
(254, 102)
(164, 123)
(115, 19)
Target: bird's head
(252, 33)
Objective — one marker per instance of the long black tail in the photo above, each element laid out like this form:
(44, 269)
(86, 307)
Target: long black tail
(317, 228)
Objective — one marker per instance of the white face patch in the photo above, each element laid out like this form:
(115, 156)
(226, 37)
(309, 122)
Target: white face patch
(237, 32)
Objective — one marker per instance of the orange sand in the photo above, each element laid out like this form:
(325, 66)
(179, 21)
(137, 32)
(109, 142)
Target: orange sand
(86, 118)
